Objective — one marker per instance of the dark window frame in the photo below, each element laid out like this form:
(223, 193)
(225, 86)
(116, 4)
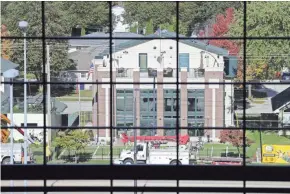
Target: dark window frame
(174, 172)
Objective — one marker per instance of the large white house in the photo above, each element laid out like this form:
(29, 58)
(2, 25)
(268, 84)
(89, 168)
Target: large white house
(148, 60)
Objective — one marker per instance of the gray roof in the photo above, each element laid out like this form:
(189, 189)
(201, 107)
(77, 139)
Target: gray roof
(6, 65)
(100, 42)
(257, 108)
(100, 47)
(75, 106)
(191, 42)
(83, 57)
(95, 47)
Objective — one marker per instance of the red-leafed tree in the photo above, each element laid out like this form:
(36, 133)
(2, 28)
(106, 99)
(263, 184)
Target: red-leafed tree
(220, 29)
(234, 137)
(6, 44)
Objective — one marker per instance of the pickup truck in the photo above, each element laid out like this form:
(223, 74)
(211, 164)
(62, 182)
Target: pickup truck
(18, 153)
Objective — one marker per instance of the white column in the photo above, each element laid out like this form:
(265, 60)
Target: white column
(213, 89)
(107, 113)
(213, 113)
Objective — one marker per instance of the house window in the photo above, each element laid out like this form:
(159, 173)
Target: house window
(83, 75)
(143, 61)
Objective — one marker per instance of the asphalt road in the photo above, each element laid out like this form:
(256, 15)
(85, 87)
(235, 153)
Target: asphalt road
(145, 183)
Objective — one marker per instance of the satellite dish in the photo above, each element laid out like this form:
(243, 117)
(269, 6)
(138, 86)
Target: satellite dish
(159, 59)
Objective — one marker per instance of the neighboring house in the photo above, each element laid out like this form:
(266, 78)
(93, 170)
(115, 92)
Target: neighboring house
(83, 51)
(35, 116)
(146, 60)
(5, 88)
(281, 106)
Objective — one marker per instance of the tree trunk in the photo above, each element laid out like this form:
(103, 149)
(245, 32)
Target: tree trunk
(238, 148)
(76, 159)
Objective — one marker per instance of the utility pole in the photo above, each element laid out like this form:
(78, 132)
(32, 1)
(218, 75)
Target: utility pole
(135, 134)
(154, 104)
(25, 102)
(79, 89)
(135, 130)
(48, 103)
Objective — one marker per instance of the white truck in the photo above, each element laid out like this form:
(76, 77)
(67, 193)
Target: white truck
(162, 156)
(18, 150)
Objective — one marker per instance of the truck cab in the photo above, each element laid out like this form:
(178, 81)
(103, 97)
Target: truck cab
(127, 156)
(18, 154)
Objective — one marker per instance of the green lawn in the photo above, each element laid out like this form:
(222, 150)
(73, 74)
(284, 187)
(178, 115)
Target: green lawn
(218, 150)
(271, 138)
(85, 95)
(102, 150)
(73, 99)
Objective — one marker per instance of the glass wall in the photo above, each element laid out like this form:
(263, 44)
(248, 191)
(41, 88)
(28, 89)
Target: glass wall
(124, 108)
(148, 111)
(170, 108)
(195, 111)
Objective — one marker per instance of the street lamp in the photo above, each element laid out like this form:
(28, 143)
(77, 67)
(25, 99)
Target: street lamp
(23, 25)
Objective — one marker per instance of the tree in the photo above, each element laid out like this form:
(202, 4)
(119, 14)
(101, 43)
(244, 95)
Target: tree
(143, 12)
(6, 44)
(197, 15)
(235, 137)
(221, 29)
(31, 12)
(149, 27)
(60, 17)
(264, 57)
(75, 140)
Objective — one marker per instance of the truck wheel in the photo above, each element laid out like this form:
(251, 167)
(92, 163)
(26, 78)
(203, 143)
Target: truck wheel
(174, 162)
(128, 162)
(6, 161)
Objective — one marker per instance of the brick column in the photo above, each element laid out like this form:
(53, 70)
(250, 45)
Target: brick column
(214, 103)
(183, 99)
(160, 103)
(103, 92)
(136, 93)
(114, 123)
(95, 99)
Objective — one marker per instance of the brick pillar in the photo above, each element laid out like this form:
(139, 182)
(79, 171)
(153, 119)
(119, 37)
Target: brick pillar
(136, 78)
(114, 123)
(183, 104)
(103, 94)
(160, 102)
(95, 99)
(214, 103)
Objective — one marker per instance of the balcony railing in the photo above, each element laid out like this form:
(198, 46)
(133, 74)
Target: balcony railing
(196, 73)
(152, 72)
(124, 72)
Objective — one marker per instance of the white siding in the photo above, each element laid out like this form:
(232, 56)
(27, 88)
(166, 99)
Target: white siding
(131, 60)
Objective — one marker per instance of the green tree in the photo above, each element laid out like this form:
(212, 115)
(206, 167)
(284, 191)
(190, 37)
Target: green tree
(265, 57)
(75, 140)
(60, 17)
(86, 13)
(149, 27)
(31, 12)
(194, 15)
(143, 12)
